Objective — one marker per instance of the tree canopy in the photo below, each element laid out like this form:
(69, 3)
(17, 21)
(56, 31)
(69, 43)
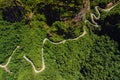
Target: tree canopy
(49, 35)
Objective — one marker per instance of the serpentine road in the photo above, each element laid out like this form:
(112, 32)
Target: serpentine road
(93, 23)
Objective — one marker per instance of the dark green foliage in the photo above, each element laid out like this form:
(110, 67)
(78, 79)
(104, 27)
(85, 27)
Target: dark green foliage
(110, 25)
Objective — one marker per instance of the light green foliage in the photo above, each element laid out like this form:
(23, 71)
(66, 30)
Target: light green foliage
(8, 37)
(30, 41)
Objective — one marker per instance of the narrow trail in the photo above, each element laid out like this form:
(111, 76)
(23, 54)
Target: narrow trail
(5, 66)
(93, 23)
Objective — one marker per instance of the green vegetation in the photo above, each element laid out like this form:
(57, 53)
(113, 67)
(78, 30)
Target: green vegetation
(94, 56)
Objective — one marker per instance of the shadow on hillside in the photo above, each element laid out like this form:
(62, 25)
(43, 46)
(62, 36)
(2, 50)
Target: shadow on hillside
(51, 13)
(13, 13)
(110, 27)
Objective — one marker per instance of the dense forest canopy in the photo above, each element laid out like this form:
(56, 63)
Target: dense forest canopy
(59, 40)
